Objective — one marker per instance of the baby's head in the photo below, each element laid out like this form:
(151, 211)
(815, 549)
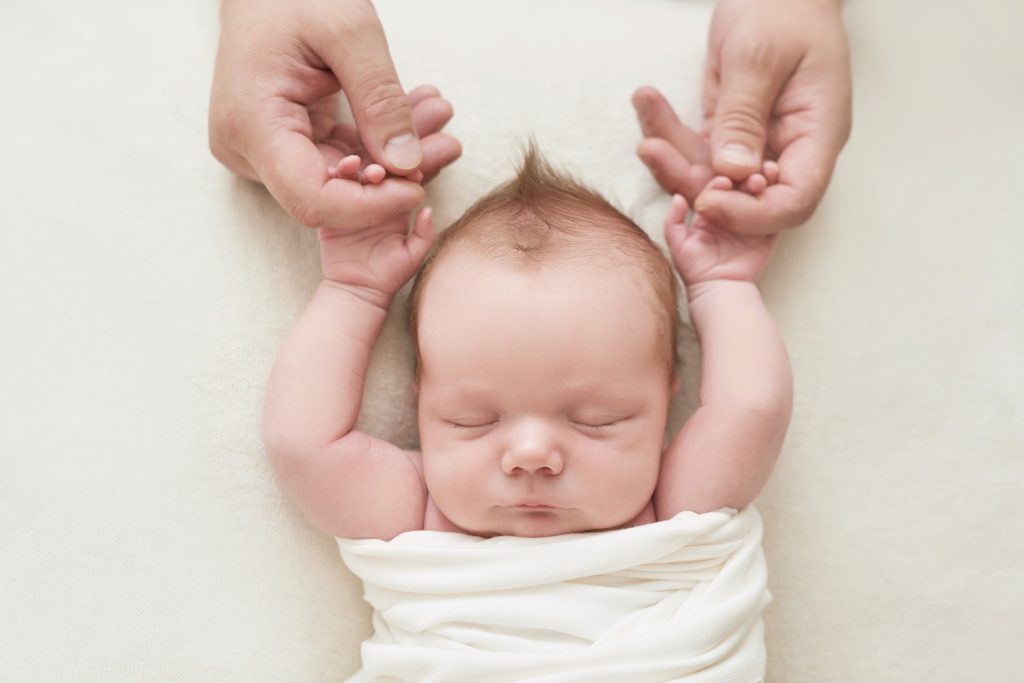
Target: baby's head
(545, 327)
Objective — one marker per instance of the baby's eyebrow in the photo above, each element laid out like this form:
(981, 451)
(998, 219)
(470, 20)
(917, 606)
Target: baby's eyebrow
(462, 393)
(603, 390)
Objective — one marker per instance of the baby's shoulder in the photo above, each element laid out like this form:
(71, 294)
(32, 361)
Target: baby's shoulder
(646, 516)
(378, 492)
(434, 519)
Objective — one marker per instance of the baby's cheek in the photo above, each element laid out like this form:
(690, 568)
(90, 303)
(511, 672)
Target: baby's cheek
(434, 475)
(631, 471)
(450, 482)
(648, 459)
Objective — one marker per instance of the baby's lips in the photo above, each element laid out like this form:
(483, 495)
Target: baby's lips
(535, 503)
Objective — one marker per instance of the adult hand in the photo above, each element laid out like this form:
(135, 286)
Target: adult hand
(776, 86)
(280, 66)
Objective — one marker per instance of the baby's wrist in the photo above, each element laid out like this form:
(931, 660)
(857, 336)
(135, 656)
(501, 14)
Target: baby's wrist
(370, 295)
(705, 289)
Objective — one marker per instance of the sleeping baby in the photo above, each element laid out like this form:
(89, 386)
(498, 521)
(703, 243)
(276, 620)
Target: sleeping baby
(545, 325)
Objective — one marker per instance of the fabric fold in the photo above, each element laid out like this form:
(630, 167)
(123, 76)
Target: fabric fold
(677, 600)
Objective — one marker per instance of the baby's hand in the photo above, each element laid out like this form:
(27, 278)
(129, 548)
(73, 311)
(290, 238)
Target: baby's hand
(353, 167)
(703, 252)
(381, 258)
(431, 112)
(756, 183)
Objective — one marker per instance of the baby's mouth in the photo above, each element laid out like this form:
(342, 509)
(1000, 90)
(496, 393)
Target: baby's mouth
(534, 505)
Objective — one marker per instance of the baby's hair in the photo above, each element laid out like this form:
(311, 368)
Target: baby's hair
(544, 215)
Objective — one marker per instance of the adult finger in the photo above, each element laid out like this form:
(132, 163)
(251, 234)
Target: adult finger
(439, 150)
(357, 52)
(659, 120)
(293, 170)
(750, 81)
(431, 115)
(422, 92)
(671, 169)
(710, 92)
(805, 168)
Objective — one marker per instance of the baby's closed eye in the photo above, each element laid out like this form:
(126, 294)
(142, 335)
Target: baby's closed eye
(597, 422)
(471, 422)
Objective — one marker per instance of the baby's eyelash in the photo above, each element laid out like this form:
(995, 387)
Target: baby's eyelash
(458, 425)
(597, 426)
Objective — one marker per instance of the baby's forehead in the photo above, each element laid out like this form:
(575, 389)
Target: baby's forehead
(572, 238)
(477, 269)
(569, 323)
(571, 251)
(542, 255)
(574, 302)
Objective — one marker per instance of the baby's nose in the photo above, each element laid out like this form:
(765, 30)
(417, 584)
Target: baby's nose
(532, 448)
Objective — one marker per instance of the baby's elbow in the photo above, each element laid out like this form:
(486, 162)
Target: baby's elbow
(276, 441)
(771, 408)
(287, 451)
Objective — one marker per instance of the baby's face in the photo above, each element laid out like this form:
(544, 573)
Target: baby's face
(542, 398)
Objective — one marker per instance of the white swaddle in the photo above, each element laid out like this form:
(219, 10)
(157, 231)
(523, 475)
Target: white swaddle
(678, 600)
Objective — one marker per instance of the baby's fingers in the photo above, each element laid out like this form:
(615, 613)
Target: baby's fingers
(419, 240)
(755, 184)
(374, 174)
(293, 169)
(675, 223)
(676, 211)
(719, 182)
(347, 168)
(351, 168)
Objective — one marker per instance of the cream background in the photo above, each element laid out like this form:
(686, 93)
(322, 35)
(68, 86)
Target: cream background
(143, 292)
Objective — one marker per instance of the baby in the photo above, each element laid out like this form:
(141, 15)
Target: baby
(545, 329)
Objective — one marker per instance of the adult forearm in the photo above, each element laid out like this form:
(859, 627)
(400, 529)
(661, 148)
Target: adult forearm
(316, 386)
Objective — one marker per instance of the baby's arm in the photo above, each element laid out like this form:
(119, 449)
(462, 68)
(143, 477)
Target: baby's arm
(348, 483)
(726, 450)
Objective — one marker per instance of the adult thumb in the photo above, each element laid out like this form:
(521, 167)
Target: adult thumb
(746, 95)
(360, 60)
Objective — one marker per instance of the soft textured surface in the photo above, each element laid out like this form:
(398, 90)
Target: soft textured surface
(144, 291)
(678, 600)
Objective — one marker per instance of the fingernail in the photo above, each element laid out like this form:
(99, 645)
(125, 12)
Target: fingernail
(738, 155)
(404, 152)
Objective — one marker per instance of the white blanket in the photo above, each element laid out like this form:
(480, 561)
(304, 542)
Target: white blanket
(678, 600)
